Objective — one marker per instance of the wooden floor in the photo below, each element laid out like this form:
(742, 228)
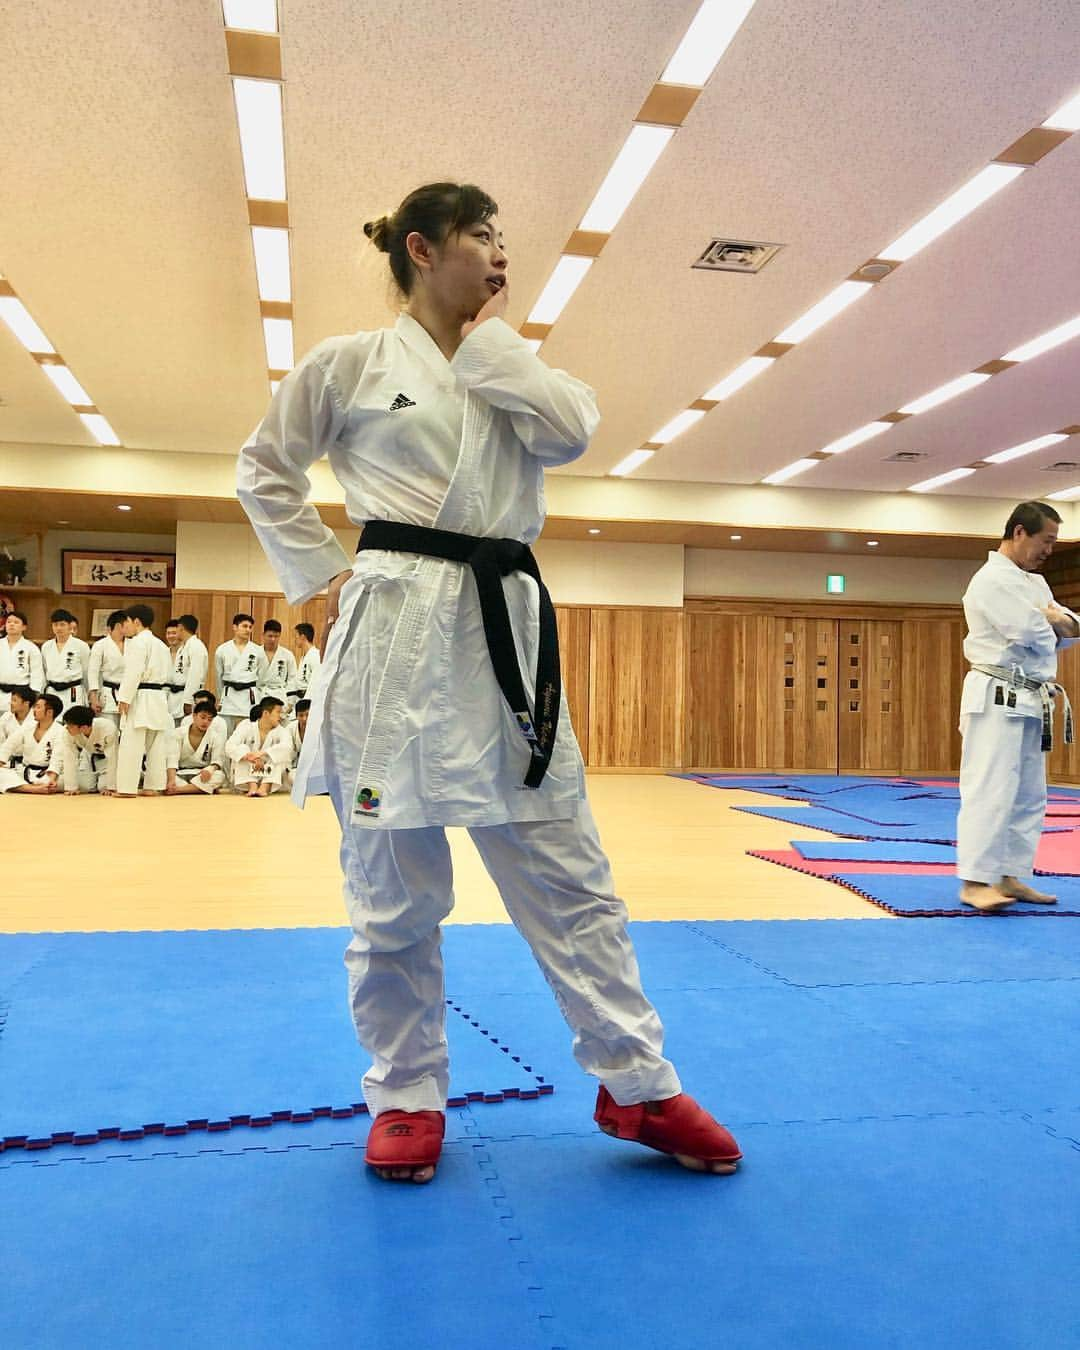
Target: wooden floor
(90, 863)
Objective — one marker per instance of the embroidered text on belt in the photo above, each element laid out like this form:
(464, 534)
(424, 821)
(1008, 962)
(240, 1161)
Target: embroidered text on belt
(489, 561)
(1048, 690)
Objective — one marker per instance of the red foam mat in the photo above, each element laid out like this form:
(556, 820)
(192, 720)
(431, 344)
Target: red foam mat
(1059, 854)
(824, 867)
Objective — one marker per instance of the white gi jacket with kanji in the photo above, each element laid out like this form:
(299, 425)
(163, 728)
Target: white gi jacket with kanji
(460, 445)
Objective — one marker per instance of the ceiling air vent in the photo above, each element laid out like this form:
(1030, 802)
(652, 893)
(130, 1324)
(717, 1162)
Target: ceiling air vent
(905, 457)
(1062, 466)
(736, 255)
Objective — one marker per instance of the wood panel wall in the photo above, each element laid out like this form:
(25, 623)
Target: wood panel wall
(738, 684)
(39, 604)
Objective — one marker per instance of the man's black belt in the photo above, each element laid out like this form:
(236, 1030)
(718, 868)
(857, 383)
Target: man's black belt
(176, 688)
(62, 684)
(489, 561)
(111, 684)
(153, 686)
(9, 688)
(246, 684)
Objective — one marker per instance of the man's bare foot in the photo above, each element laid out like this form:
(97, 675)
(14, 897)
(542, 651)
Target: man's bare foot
(1018, 890)
(126, 796)
(263, 790)
(149, 792)
(980, 895)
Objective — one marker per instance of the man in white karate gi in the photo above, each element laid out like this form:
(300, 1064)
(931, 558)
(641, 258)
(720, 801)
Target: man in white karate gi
(87, 754)
(196, 755)
(260, 750)
(439, 430)
(20, 660)
(144, 706)
(30, 753)
(196, 660)
(1015, 630)
(280, 674)
(106, 668)
(239, 668)
(66, 660)
(22, 700)
(308, 662)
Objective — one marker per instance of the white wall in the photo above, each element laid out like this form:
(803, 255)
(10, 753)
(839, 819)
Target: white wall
(213, 557)
(580, 573)
(57, 540)
(801, 576)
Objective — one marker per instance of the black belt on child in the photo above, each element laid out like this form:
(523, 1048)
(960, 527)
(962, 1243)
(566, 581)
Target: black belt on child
(490, 560)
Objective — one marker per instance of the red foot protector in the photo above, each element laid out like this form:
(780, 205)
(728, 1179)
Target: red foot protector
(405, 1139)
(681, 1126)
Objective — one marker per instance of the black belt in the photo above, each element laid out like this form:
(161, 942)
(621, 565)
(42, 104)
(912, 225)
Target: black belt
(176, 688)
(9, 688)
(108, 684)
(63, 684)
(490, 560)
(153, 686)
(249, 684)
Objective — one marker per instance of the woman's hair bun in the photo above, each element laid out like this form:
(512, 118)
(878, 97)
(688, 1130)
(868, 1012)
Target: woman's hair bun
(377, 231)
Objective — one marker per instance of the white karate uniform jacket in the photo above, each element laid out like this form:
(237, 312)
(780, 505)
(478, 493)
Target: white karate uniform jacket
(245, 665)
(106, 663)
(28, 753)
(1005, 628)
(196, 666)
(280, 675)
(407, 669)
(306, 672)
(189, 762)
(246, 740)
(20, 663)
(146, 658)
(89, 763)
(62, 666)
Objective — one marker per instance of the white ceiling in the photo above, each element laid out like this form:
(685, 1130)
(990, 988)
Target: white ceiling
(829, 127)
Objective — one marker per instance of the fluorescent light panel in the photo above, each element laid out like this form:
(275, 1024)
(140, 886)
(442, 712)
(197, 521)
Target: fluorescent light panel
(67, 384)
(1027, 448)
(834, 303)
(799, 466)
(17, 317)
(1054, 338)
(272, 262)
(1067, 117)
(278, 334)
(100, 429)
(678, 424)
(953, 209)
(257, 16)
(1065, 495)
(262, 140)
(275, 385)
(640, 152)
(567, 277)
(951, 477)
(633, 461)
(741, 375)
(534, 343)
(853, 438)
(708, 37)
(943, 393)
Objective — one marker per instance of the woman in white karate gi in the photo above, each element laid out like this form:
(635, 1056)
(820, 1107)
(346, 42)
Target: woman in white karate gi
(447, 420)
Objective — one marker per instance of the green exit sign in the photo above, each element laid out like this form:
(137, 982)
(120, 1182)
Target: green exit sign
(834, 584)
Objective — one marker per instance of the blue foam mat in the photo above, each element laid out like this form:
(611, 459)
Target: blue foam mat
(263, 1249)
(942, 831)
(836, 1235)
(878, 850)
(813, 952)
(925, 895)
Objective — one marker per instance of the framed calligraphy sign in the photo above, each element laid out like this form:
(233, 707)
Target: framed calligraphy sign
(93, 572)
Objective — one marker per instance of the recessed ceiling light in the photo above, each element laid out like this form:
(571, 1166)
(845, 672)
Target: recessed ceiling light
(262, 140)
(17, 317)
(736, 536)
(834, 303)
(678, 424)
(962, 202)
(632, 461)
(1046, 342)
(63, 522)
(706, 40)
(741, 375)
(1067, 117)
(123, 508)
(1028, 448)
(594, 531)
(568, 275)
(256, 16)
(871, 543)
(943, 393)
(642, 148)
(853, 438)
(790, 470)
(928, 484)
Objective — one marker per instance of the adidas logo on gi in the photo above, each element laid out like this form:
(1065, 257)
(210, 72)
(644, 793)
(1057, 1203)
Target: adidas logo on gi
(402, 401)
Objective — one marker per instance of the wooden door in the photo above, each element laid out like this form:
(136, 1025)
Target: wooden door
(870, 722)
(574, 627)
(804, 659)
(731, 690)
(636, 688)
(931, 678)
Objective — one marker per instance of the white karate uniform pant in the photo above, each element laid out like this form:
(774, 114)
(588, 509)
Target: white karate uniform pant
(556, 884)
(194, 778)
(135, 742)
(244, 775)
(1002, 796)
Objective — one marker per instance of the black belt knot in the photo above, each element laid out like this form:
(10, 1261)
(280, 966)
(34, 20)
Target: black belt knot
(490, 560)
